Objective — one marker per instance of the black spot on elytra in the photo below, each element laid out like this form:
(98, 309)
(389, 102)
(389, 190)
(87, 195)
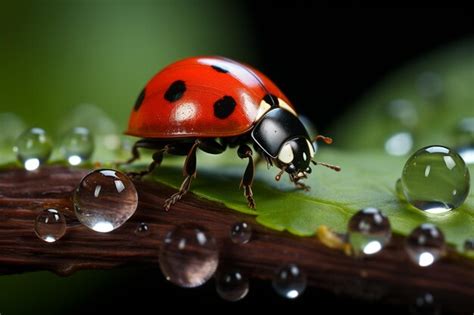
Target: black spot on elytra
(139, 100)
(219, 69)
(224, 107)
(271, 99)
(175, 91)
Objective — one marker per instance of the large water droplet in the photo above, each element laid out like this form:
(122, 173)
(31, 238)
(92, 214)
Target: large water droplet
(289, 281)
(77, 145)
(425, 245)
(50, 225)
(104, 200)
(368, 231)
(241, 233)
(189, 256)
(33, 148)
(435, 179)
(232, 285)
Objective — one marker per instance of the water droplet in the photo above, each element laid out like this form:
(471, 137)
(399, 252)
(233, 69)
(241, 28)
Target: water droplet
(425, 305)
(33, 148)
(104, 200)
(142, 229)
(425, 245)
(77, 145)
(435, 179)
(399, 144)
(50, 225)
(289, 281)
(469, 244)
(241, 233)
(188, 256)
(368, 231)
(232, 285)
(430, 86)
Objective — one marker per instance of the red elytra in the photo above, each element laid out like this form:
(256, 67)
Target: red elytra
(206, 80)
(214, 103)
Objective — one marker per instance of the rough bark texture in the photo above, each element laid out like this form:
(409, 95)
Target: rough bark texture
(389, 276)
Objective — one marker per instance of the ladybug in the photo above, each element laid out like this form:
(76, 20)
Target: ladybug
(210, 104)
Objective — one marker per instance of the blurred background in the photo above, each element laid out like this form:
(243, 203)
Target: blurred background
(64, 62)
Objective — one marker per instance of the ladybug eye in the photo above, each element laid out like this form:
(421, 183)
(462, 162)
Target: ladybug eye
(308, 170)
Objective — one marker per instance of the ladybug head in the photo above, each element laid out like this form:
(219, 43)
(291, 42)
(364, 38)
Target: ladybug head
(295, 156)
(284, 142)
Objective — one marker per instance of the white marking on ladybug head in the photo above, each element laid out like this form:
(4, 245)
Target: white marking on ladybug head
(262, 109)
(305, 157)
(286, 154)
(285, 105)
(185, 111)
(311, 148)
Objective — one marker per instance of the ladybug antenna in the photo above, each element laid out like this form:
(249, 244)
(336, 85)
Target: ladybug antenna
(326, 140)
(333, 167)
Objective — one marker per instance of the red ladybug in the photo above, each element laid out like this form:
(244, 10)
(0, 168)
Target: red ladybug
(211, 103)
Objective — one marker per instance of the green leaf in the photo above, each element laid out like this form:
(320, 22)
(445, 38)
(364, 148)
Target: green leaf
(366, 180)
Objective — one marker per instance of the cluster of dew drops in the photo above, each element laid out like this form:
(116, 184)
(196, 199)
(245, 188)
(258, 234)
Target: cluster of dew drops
(105, 199)
(434, 180)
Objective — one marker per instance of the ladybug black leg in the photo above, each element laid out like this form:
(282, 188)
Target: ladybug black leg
(244, 151)
(189, 171)
(143, 143)
(298, 184)
(211, 146)
(302, 186)
(157, 159)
